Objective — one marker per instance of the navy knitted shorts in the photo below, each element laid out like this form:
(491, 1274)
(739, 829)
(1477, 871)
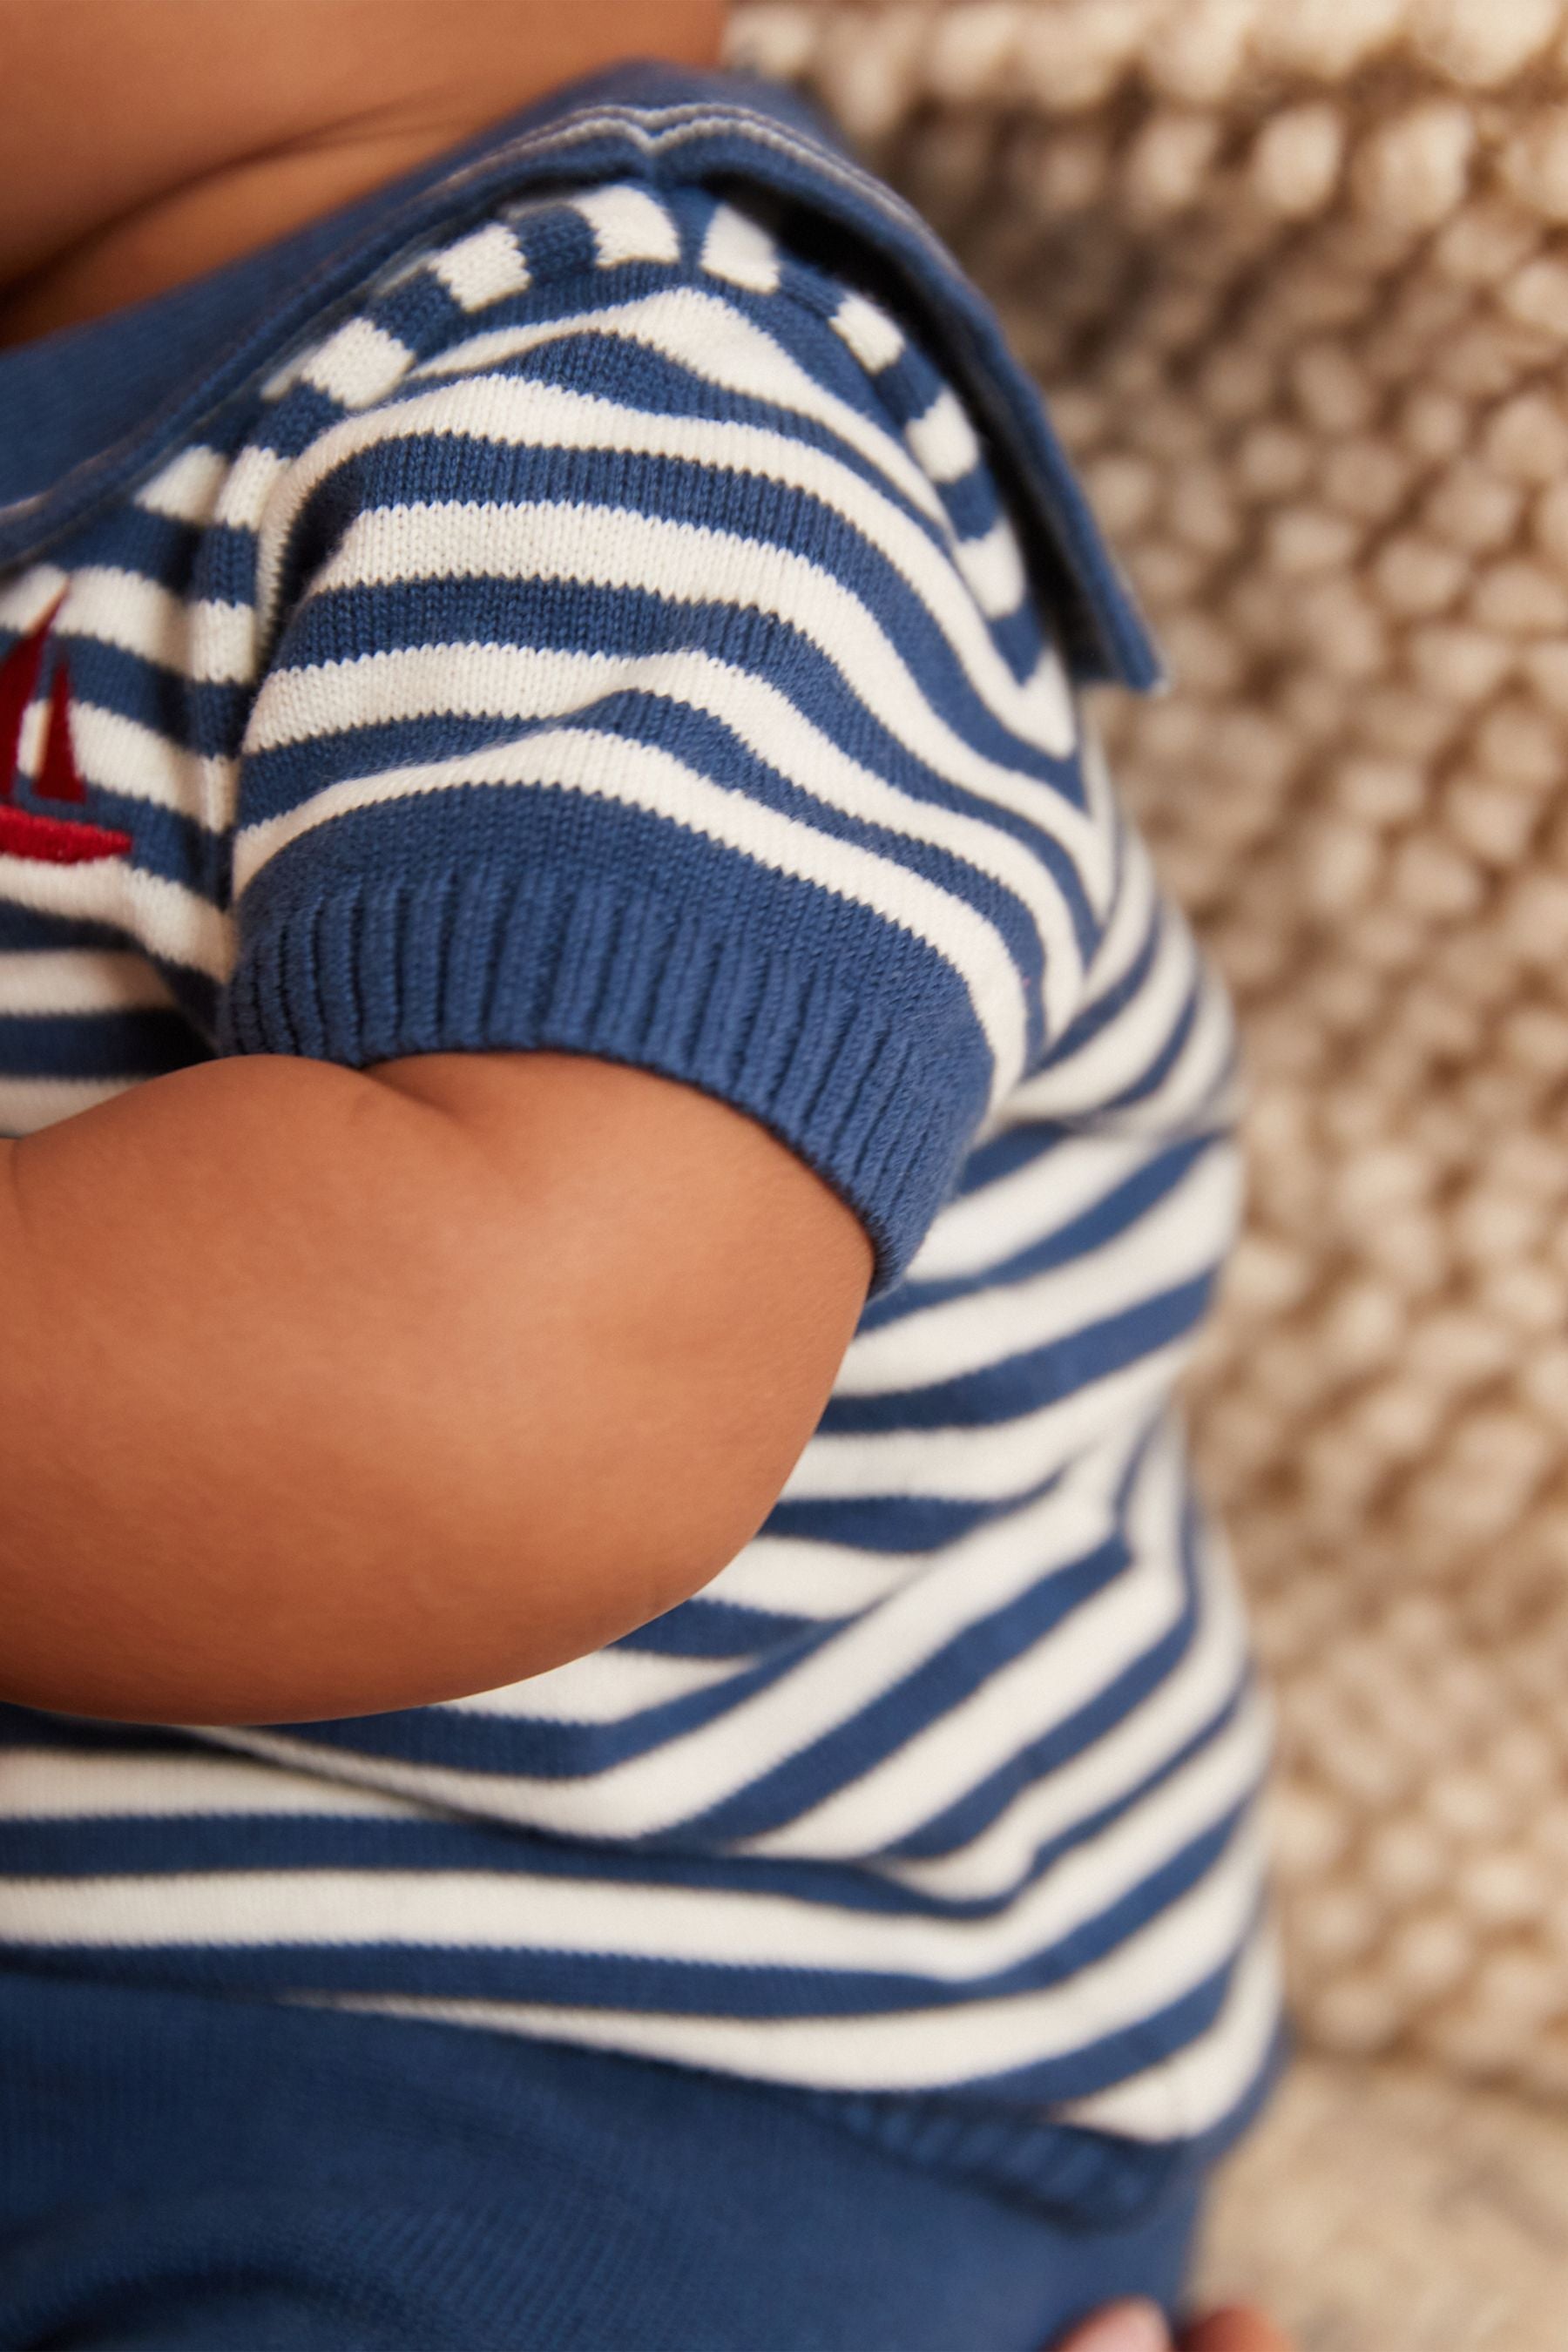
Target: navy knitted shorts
(183, 2169)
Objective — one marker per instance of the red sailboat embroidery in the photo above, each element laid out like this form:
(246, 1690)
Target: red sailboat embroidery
(58, 840)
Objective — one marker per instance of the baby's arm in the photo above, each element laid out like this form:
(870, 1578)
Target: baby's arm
(327, 1390)
(647, 871)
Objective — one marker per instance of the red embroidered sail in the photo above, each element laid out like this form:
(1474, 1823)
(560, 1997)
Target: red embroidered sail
(58, 841)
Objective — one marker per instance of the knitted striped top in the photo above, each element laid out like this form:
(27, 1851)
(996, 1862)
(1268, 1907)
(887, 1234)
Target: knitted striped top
(609, 619)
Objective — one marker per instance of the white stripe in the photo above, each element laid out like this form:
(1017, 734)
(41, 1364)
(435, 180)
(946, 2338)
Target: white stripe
(1201, 1064)
(717, 344)
(502, 1910)
(188, 487)
(1099, 791)
(539, 682)
(536, 540)
(208, 643)
(360, 363)
(908, 2050)
(1211, 1671)
(741, 251)
(1201, 1087)
(1077, 1085)
(995, 1459)
(994, 569)
(640, 775)
(520, 413)
(1048, 696)
(485, 267)
(605, 1686)
(43, 1784)
(1131, 915)
(26, 1105)
(627, 224)
(252, 481)
(944, 438)
(870, 334)
(286, 374)
(25, 599)
(877, 1650)
(175, 925)
(1027, 1696)
(1066, 1176)
(80, 979)
(1091, 1877)
(794, 1576)
(122, 755)
(702, 1766)
(1197, 2087)
(1183, 1235)
(1199, 1090)
(1118, 1054)
(32, 735)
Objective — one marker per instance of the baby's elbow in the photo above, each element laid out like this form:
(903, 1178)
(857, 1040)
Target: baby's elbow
(464, 1583)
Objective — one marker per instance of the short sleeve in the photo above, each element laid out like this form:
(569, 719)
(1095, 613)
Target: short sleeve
(630, 696)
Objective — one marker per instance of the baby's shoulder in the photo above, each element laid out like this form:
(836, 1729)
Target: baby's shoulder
(676, 303)
(625, 340)
(703, 282)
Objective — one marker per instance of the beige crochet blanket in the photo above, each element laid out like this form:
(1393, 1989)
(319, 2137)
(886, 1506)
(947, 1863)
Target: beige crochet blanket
(1294, 273)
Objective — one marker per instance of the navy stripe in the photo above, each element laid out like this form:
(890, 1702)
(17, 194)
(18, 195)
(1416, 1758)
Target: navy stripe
(955, 1674)
(1023, 1383)
(705, 1628)
(28, 931)
(138, 1044)
(461, 1740)
(675, 1988)
(1117, 1211)
(954, 1826)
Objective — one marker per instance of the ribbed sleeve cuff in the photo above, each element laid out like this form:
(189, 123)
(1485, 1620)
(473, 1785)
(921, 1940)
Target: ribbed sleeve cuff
(878, 1094)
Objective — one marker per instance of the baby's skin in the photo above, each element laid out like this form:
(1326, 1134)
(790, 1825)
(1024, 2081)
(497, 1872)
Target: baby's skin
(1139, 2328)
(143, 148)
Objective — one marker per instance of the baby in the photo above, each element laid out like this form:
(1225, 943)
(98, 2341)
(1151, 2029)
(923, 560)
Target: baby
(615, 1156)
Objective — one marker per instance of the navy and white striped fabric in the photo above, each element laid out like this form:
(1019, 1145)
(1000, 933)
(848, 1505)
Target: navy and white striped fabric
(609, 634)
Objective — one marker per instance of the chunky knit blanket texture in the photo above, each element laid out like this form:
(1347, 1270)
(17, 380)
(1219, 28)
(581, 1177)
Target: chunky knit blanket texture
(1294, 277)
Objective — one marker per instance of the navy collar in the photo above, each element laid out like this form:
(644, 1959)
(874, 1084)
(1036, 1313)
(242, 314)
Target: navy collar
(86, 413)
